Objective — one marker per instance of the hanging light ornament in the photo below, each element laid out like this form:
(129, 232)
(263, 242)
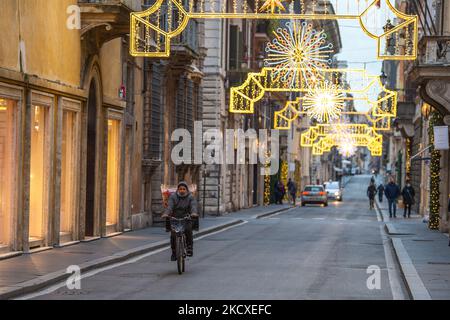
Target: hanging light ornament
(324, 102)
(272, 5)
(347, 148)
(298, 46)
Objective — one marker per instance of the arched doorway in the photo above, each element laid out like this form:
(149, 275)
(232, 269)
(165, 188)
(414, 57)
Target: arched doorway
(91, 150)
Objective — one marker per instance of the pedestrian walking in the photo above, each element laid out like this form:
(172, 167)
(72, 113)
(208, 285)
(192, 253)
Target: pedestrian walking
(408, 194)
(371, 192)
(279, 192)
(392, 192)
(380, 192)
(292, 188)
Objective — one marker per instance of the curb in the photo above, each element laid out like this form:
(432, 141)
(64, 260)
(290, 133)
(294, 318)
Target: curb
(414, 285)
(61, 275)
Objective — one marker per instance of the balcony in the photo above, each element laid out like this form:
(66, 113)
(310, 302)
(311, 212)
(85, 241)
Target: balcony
(433, 61)
(106, 19)
(185, 47)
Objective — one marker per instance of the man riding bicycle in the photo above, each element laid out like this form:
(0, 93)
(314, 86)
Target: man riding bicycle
(371, 192)
(181, 204)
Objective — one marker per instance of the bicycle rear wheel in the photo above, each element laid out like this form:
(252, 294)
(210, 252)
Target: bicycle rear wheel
(180, 256)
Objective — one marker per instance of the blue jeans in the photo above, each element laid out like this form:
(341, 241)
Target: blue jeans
(392, 205)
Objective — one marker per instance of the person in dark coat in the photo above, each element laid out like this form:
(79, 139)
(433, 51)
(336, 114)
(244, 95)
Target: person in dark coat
(292, 188)
(380, 192)
(181, 204)
(392, 192)
(408, 194)
(371, 192)
(280, 191)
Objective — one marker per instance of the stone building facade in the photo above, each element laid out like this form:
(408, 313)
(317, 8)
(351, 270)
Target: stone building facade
(69, 122)
(423, 87)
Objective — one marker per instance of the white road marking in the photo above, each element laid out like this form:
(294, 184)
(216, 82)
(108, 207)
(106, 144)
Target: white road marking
(57, 286)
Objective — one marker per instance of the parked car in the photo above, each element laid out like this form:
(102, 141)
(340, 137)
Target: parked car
(314, 194)
(334, 191)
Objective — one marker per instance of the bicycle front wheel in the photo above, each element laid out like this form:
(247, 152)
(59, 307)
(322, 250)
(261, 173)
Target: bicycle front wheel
(180, 256)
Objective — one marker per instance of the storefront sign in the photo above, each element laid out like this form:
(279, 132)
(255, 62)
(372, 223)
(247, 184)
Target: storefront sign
(441, 138)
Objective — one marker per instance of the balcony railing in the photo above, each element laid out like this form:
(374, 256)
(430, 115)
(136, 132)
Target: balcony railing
(135, 5)
(434, 50)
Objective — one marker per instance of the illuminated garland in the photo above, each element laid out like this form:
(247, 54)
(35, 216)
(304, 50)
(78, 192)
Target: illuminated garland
(284, 175)
(154, 23)
(435, 169)
(272, 5)
(266, 190)
(408, 156)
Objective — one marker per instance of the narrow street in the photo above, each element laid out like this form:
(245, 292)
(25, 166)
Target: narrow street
(303, 253)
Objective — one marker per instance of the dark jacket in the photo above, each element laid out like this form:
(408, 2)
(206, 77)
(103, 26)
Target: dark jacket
(392, 191)
(408, 195)
(279, 189)
(180, 206)
(371, 191)
(292, 187)
(381, 189)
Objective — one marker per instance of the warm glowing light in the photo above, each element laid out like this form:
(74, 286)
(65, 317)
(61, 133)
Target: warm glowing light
(297, 47)
(151, 36)
(347, 148)
(272, 5)
(324, 102)
(324, 136)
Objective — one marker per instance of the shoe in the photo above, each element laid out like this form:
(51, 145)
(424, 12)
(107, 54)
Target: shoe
(189, 252)
(173, 257)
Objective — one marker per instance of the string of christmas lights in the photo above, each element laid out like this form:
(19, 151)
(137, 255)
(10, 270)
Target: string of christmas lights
(435, 170)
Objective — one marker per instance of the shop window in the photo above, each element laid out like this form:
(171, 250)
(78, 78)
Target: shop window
(69, 173)
(38, 163)
(113, 173)
(7, 134)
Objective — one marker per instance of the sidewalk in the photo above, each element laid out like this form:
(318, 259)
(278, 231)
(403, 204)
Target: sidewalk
(30, 272)
(423, 254)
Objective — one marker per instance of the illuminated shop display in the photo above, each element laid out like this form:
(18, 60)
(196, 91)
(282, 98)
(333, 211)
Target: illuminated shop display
(7, 134)
(39, 161)
(153, 29)
(113, 170)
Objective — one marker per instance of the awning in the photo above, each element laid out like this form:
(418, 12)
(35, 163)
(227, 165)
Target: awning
(338, 169)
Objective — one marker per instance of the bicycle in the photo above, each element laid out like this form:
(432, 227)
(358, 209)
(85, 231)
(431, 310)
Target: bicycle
(179, 226)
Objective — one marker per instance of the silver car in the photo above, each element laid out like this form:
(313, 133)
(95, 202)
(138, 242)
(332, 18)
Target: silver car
(333, 190)
(315, 195)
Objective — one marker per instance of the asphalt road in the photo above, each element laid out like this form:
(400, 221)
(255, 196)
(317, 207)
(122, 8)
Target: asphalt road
(305, 253)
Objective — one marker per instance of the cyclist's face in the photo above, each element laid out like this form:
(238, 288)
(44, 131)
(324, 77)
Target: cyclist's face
(182, 190)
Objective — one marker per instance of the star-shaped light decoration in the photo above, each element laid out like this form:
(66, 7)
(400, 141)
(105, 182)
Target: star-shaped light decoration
(347, 148)
(272, 5)
(298, 47)
(324, 102)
